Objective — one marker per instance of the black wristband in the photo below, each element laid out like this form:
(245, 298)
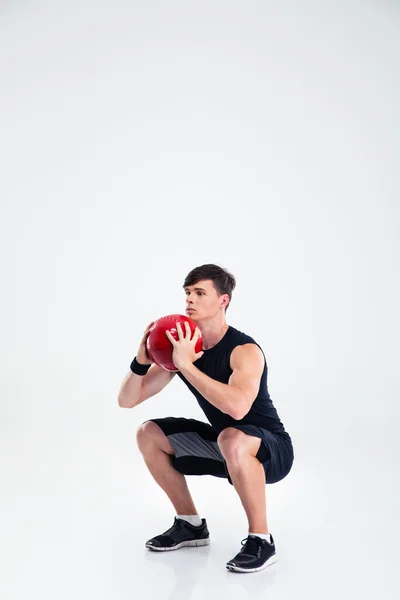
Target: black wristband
(139, 369)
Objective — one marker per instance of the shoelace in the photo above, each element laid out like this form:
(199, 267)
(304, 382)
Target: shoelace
(251, 546)
(177, 525)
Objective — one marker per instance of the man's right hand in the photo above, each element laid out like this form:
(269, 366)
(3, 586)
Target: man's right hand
(142, 355)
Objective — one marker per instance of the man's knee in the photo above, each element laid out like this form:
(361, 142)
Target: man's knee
(231, 442)
(145, 434)
(235, 444)
(150, 436)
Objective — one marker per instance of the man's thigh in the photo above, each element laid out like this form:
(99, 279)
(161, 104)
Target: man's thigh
(195, 446)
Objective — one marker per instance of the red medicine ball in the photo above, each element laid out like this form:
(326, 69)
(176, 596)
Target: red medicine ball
(158, 345)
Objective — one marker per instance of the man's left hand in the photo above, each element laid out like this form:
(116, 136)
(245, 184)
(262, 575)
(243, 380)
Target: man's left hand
(184, 353)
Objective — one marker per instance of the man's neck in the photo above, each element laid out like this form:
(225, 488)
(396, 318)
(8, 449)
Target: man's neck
(212, 333)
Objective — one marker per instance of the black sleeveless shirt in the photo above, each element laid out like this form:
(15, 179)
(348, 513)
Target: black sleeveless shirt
(215, 364)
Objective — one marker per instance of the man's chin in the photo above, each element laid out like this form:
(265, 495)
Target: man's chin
(194, 317)
(191, 315)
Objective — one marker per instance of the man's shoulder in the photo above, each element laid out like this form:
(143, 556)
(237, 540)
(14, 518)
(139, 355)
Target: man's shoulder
(239, 337)
(242, 344)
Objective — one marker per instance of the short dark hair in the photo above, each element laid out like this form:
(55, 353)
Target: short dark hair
(224, 282)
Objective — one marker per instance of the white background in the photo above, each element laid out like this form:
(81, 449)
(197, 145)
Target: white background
(139, 140)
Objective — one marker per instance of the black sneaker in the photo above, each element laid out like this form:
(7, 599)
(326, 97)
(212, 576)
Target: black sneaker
(179, 535)
(256, 554)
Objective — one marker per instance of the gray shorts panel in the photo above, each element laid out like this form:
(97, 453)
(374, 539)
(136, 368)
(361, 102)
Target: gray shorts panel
(192, 444)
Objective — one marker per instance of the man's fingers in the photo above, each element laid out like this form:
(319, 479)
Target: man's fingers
(179, 330)
(170, 337)
(148, 327)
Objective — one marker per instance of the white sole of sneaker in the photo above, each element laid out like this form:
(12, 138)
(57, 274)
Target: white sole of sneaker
(188, 544)
(235, 569)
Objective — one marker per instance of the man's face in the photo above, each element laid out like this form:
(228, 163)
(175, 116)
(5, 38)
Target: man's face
(202, 300)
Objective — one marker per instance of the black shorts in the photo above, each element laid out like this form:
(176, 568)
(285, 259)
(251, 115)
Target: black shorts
(197, 452)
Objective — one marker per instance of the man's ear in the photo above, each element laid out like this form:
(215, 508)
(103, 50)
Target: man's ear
(225, 300)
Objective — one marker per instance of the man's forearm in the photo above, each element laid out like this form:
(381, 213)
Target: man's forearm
(226, 398)
(130, 390)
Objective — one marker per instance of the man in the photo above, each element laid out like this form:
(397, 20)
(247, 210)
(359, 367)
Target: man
(246, 441)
